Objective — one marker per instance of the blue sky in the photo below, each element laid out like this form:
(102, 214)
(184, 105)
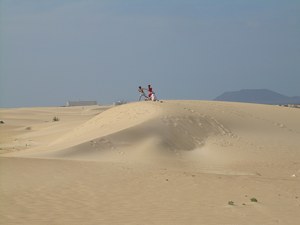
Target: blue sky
(59, 50)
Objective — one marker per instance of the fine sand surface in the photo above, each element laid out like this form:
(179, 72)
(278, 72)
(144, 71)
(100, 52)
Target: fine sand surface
(171, 162)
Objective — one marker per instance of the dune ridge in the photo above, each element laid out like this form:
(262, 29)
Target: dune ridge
(168, 126)
(181, 128)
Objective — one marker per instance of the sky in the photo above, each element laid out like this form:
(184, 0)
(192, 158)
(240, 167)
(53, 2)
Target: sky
(60, 50)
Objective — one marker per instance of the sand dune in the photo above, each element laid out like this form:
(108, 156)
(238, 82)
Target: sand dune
(27, 128)
(179, 128)
(168, 127)
(176, 162)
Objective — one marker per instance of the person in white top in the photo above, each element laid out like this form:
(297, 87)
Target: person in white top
(141, 90)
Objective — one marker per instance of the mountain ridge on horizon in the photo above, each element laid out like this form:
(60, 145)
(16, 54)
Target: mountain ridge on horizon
(260, 96)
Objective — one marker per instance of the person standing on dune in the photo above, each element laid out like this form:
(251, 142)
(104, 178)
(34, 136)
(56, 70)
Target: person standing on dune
(151, 94)
(150, 91)
(141, 90)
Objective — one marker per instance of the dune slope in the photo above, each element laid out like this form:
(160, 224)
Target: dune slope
(160, 127)
(188, 130)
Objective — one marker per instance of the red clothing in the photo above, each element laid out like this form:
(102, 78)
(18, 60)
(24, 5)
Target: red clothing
(150, 91)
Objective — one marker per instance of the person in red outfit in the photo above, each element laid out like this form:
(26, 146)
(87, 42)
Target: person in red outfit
(150, 91)
(151, 94)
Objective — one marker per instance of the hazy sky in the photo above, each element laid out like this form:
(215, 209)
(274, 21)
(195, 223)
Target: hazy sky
(59, 50)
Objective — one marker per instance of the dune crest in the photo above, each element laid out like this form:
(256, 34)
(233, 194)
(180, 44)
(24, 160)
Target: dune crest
(167, 126)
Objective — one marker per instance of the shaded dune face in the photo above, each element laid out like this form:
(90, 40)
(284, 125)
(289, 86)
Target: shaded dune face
(167, 130)
(171, 134)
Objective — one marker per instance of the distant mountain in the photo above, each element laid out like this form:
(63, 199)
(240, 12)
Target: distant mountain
(262, 96)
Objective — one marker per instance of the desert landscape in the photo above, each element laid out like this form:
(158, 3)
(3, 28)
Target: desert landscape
(170, 162)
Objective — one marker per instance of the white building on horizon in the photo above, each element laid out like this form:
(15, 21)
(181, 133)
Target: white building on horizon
(80, 103)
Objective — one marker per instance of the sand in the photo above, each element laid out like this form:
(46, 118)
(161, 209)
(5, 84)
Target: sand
(175, 162)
